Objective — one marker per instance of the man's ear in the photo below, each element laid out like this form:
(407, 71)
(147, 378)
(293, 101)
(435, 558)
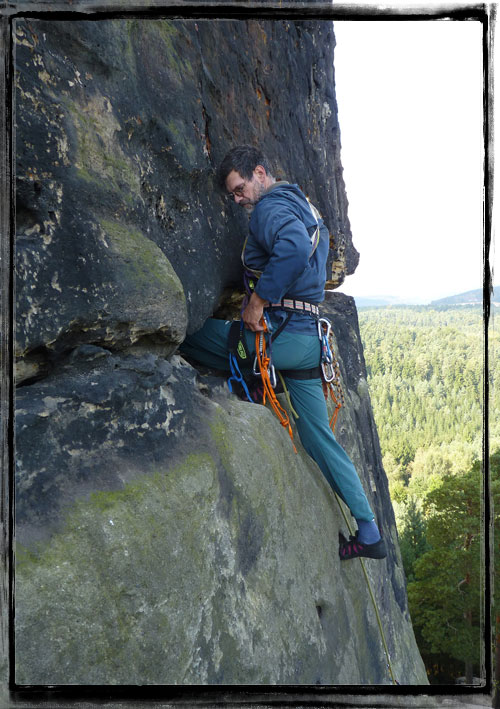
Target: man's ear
(260, 173)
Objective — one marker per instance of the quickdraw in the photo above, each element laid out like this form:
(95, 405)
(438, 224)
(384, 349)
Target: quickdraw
(237, 376)
(330, 371)
(261, 356)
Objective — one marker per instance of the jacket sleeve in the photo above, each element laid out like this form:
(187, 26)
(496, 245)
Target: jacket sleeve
(283, 236)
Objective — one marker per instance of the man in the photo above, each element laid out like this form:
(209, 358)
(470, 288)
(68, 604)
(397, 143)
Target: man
(288, 252)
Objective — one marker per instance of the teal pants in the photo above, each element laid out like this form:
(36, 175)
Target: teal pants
(293, 351)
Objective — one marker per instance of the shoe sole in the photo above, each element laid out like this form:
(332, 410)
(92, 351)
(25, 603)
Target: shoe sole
(375, 554)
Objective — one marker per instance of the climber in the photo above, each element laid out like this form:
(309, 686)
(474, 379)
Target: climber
(279, 248)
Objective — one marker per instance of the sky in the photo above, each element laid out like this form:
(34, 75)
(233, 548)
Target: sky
(410, 98)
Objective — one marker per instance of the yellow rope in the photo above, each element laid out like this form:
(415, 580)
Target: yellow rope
(263, 362)
(285, 422)
(377, 614)
(287, 395)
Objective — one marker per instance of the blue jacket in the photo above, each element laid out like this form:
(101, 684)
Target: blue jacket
(279, 245)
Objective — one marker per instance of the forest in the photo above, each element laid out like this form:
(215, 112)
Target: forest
(426, 370)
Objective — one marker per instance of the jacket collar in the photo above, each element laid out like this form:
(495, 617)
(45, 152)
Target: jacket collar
(274, 185)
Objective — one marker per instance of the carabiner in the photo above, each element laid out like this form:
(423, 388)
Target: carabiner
(326, 353)
(256, 369)
(321, 332)
(328, 372)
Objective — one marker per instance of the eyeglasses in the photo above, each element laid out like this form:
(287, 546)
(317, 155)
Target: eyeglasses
(238, 191)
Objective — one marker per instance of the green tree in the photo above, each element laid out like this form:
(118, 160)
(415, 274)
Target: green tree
(495, 496)
(425, 374)
(445, 597)
(412, 539)
(427, 469)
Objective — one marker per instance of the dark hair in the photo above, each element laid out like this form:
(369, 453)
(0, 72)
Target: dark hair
(243, 159)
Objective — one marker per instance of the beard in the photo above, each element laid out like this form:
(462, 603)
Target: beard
(249, 205)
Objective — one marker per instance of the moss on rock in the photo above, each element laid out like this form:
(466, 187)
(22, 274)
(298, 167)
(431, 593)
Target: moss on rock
(117, 572)
(144, 265)
(99, 156)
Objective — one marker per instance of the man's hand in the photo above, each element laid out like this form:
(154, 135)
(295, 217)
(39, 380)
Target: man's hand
(252, 314)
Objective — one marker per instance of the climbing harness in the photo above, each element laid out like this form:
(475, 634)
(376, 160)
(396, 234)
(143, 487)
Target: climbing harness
(372, 596)
(295, 306)
(327, 370)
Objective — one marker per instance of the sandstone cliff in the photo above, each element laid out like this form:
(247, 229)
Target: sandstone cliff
(166, 533)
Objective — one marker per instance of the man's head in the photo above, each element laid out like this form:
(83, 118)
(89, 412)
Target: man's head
(245, 174)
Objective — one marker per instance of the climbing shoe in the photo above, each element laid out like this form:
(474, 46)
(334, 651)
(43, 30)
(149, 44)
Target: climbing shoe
(352, 548)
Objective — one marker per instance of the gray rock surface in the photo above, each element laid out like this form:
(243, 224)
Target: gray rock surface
(120, 126)
(166, 533)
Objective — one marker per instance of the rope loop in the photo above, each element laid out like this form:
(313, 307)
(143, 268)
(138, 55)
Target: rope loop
(265, 368)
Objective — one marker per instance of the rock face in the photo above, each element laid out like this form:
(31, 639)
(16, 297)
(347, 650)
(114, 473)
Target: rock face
(166, 533)
(120, 126)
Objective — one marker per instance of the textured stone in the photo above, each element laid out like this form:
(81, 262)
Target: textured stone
(166, 533)
(183, 542)
(121, 125)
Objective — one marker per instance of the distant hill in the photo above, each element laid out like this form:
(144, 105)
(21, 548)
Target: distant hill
(384, 300)
(471, 297)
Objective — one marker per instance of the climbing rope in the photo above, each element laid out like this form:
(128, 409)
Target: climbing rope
(266, 369)
(330, 374)
(332, 387)
(372, 596)
(287, 395)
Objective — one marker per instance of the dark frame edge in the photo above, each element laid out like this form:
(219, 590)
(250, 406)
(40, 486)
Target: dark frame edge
(248, 695)
(491, 660)
(300, 9)
(6, 329)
